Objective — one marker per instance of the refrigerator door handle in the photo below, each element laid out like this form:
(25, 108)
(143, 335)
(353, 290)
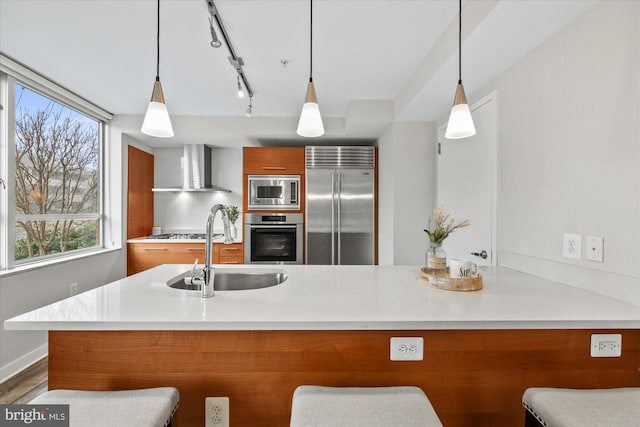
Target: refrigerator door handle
(339, 196)
(333, 217)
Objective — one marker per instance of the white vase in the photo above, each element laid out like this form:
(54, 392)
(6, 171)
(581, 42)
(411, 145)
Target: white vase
(234, 232)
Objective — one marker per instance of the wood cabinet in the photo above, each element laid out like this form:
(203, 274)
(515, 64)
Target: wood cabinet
(274, 160)
(143, 256)
(230, 254)
(139, 193)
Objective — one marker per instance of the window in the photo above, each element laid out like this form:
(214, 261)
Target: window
(51, 168)
(57, 177)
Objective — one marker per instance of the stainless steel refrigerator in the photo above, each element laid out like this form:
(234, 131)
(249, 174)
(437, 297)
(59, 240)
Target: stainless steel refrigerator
(340, 205)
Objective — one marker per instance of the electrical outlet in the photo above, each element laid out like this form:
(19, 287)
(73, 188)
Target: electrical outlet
(594, 249)
(606, 345)
(216, 412)
(571, 246)
(73, 289)
(406, 348)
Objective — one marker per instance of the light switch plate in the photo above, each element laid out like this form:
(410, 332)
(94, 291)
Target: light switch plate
(571, 246)
(594, 249)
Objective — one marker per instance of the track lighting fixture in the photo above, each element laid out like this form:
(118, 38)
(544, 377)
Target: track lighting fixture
(249, 111)
(244, 87)
(157, 121)
(460, 122)
(215, 41)
(240, 91)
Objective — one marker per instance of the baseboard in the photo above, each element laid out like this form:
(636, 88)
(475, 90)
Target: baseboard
(10, 369)
(618, 286)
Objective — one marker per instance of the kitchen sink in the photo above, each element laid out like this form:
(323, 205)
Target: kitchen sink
(227, 279)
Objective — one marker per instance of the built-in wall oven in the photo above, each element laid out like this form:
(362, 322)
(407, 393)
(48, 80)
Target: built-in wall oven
(273, 238)
(274, 192)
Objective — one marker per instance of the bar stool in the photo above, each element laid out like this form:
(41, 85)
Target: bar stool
(151, 407)
(563, 407)
(317, 406)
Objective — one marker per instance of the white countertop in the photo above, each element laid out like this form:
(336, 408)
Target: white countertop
(326, 297)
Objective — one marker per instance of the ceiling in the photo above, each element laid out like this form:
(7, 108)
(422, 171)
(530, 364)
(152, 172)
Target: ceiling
(400, 51)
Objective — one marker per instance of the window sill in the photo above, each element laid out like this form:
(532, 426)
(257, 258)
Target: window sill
(55, 261)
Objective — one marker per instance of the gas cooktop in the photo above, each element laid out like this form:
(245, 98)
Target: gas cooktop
(182, 236)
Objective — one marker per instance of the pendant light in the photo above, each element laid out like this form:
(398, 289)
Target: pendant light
(156, 120)
(460, 122)
(310, 124)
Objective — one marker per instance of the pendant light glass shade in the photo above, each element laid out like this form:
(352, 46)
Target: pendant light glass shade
(310, 123)
(460, 122)
(156, 121)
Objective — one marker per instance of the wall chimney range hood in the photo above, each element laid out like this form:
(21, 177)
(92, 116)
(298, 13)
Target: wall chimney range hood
(195, 171)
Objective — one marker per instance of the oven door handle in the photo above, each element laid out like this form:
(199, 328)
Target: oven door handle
(254, 227)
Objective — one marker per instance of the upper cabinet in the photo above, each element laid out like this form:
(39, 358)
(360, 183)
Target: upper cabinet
(273, 161)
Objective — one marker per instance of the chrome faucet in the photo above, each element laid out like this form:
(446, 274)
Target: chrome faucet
(206, 281)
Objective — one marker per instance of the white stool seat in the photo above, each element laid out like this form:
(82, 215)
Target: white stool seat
(562, 407)
(151, 407)
(316, 406)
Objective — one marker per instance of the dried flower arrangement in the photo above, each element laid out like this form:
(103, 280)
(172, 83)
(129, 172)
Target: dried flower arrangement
(443, 225)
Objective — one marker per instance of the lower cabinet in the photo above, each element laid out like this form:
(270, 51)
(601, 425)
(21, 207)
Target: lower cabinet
(230, 254)
(143, 256)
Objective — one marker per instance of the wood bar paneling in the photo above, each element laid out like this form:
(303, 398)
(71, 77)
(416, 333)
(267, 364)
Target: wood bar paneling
(473, 378)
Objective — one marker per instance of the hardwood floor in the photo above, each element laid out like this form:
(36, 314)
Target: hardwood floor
(26, 385)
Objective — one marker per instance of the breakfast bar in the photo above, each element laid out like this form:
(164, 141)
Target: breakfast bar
(482, 349)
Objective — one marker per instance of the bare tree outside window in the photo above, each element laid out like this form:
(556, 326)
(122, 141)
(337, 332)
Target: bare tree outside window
(57, 177)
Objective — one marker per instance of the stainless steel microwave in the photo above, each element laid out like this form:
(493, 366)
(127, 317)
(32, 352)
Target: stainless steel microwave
(274, 192)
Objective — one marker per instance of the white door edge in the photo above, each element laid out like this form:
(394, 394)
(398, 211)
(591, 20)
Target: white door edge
(491, 98)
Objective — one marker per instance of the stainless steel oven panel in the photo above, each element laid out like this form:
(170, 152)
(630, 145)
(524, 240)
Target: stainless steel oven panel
(273, 224)
(278, 192)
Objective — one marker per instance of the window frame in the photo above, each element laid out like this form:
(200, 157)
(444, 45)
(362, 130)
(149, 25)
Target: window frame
(12, 72)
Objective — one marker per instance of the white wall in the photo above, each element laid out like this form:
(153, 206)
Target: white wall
(406, 191)
(386, 205)
(189, 211)
(569, 152)
(26, 289)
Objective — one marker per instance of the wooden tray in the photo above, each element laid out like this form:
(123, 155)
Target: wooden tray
(440, 279)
